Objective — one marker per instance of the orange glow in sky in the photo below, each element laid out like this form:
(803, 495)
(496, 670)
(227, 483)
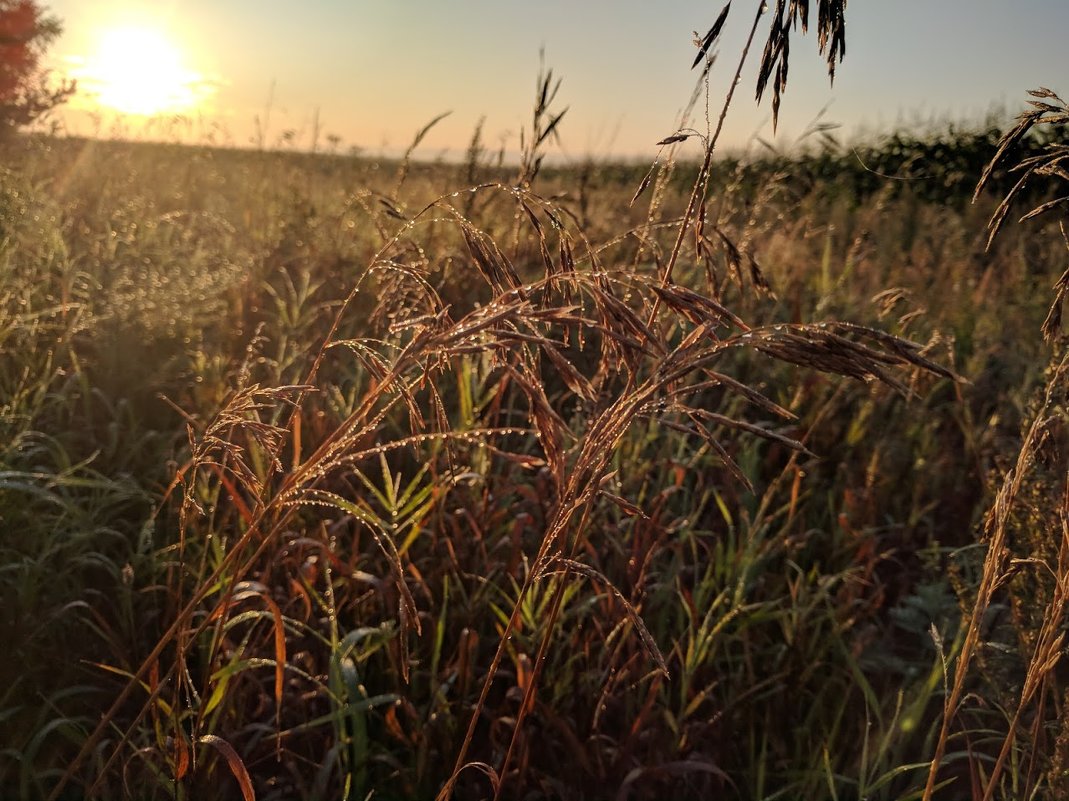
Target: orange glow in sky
(373, 72)
(140, 71)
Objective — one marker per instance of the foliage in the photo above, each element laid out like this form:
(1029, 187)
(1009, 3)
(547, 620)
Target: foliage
(328, 480)
(808, 602)
(26, 94)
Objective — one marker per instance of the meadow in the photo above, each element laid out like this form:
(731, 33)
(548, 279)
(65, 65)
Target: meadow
(333, 477)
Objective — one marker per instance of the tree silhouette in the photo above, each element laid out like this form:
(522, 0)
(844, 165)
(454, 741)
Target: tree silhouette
(25, 91)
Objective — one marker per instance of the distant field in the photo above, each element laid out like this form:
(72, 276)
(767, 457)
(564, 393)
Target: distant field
(312, 467)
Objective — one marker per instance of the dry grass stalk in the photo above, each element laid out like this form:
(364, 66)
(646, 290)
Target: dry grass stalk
(1047, 650)
(993, 576)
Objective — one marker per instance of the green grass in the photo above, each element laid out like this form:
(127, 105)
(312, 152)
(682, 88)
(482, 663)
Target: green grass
(334, 572)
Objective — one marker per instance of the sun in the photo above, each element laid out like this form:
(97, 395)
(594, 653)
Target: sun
(139, 71)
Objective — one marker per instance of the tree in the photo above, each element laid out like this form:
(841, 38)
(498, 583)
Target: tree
(25, 90)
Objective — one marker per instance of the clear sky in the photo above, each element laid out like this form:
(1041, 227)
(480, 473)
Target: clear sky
(377, 70)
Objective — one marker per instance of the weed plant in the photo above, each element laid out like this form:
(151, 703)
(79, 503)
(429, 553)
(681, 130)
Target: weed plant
(322, 478)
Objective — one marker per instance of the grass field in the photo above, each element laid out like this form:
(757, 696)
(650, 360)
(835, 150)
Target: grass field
(321, 475)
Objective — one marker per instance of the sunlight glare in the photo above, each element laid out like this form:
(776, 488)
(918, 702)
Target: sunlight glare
(139, 71)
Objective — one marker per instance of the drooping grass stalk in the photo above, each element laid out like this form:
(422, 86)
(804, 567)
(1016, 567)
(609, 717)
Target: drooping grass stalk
(698, 194)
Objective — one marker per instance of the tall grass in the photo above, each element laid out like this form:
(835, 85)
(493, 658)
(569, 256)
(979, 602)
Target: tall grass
(327, 479)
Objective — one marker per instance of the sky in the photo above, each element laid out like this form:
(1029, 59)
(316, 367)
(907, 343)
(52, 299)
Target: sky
(373, 72)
